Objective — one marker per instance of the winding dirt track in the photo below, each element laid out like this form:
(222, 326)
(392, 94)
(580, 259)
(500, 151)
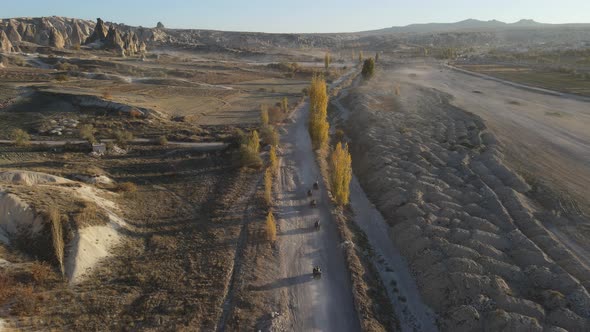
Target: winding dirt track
(314, 305)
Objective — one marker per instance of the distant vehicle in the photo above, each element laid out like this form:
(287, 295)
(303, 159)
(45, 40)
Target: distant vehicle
(313, 203)
(317, 225)
(317, 272)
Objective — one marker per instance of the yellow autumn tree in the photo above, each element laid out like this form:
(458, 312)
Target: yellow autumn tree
(249, 151)
(319, 127)
(264, 114)
(341, 173)
(268, 186)
(327, 60)
(274, 161)
(254, 142)
(271, 227)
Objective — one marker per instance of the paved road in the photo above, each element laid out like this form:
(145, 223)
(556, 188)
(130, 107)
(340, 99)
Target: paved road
(314, 305)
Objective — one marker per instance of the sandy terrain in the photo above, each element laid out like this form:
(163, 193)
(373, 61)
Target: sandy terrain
(545, 134)
(315, 305)
(474, 237)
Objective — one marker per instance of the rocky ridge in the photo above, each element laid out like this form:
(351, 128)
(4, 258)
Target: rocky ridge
(475, 242)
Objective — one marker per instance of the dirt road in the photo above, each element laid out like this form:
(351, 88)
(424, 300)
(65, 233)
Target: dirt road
(314, 305)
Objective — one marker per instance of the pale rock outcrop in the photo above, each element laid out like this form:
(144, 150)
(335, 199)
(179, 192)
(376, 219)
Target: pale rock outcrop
(5, 44)
(56, 39)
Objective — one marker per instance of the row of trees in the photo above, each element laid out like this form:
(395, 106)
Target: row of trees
(340, 161)
(318, 123)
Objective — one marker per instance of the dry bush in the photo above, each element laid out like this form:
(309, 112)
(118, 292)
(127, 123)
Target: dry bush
(65, 66)
(76, 47)
(271, 227)
(276, 115)
(57, 237)
(341, 173)
(107, 95)
(268, 187)
(89, 214)
(397, 90)
(327, 60)
(61, 77)
(264, 114)
(162, 140)
(122, 138)
(25, 301)
(249, 158)
(41, 272)
(269, 135)
(319, 128)
(20, 137)
(339, 135)
(126, 187)
(135, 114)
(87, 133)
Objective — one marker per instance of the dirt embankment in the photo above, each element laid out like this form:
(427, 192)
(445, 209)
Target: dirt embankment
(473, 238)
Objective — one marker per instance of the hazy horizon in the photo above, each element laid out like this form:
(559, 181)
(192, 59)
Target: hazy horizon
(303, 16)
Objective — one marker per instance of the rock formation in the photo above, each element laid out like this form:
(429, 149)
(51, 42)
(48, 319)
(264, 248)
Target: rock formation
(126, 43)
(99, 34)
(56, 39)
(5, 44)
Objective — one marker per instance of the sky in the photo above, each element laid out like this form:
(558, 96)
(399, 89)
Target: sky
(300, 15)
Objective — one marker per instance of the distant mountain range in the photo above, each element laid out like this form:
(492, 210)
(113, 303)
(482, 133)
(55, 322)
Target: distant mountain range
(469, 25)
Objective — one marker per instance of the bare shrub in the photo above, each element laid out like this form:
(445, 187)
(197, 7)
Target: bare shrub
(107, 95)
(270, 135)
(20, 137)
(41, 272)
(127, 187)
(162, 140)
(61, 77)
(87, 133)
(276, 115)
(122, 138)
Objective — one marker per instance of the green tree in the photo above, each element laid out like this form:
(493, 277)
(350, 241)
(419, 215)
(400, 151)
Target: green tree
(360, 56)
(341, 173)
(368, 68)
(327, 60)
